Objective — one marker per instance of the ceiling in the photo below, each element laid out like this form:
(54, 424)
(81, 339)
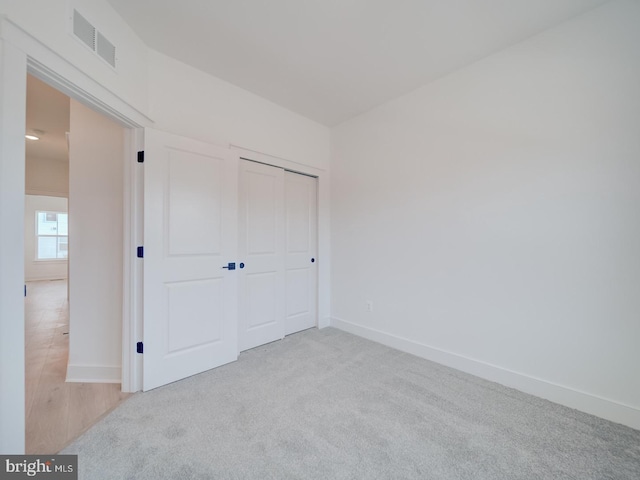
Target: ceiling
(48, 112)
(330, 60)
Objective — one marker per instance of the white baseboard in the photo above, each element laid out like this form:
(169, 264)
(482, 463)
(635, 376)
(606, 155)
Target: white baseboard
(93, 374)
(43, 278)
(585, 402)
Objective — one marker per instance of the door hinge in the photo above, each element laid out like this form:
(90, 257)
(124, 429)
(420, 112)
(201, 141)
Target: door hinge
(140, 252)
(139, 347)
(141, 156)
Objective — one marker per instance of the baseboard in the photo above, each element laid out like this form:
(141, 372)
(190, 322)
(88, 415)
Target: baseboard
(585, 402)
(45, 278)
(93, 374)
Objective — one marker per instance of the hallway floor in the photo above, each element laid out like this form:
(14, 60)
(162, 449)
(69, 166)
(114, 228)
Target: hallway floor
(56, 412)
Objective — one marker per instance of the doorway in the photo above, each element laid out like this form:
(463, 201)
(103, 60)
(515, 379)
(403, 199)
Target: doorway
(62, 398)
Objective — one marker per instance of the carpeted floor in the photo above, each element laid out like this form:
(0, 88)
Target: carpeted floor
(329, 405)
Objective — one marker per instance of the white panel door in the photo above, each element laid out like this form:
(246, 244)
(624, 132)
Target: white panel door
(301, 252)
(261, 253)
(190, 232)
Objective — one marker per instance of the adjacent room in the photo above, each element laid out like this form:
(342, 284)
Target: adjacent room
(61, 399)
(363, 239)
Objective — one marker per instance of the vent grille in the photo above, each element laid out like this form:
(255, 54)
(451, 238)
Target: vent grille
(95, 40)
(84, 30)
(106, 50)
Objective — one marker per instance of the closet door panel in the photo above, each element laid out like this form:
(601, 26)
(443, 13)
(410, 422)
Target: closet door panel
(261, 254)
(301, 252)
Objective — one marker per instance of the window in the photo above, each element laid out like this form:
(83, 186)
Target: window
(52, 230)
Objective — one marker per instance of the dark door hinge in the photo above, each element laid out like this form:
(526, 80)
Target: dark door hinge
(140, 252)
(139, 347)
(141, 157)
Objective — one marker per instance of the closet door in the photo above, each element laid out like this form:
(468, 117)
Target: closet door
(301, 252)
(261, 254)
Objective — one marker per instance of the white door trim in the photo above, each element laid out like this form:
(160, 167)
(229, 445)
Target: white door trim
(133, 236)
(20, 53)
(13, 92)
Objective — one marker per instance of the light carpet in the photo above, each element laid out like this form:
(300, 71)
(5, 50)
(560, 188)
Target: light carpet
(324, 404)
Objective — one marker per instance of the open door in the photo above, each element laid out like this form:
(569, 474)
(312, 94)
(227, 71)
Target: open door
(190, 235)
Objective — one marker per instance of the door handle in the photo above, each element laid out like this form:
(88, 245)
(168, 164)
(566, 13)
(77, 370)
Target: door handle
(231, 266)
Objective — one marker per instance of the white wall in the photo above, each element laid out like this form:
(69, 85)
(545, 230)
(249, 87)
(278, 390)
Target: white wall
(492, 217)
(188, 102)
(40, 269)
(13, 91)
(95, 246)
(44, 176)
(47, 188)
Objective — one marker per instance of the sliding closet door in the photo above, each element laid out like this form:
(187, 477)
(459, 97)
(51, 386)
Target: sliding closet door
(301, 252)
(261, 254)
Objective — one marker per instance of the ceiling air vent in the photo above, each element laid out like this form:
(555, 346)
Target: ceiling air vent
(84, 30)
(94, 39)
(106, 50)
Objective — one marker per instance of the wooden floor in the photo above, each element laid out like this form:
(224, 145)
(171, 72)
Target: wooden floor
(56, 411)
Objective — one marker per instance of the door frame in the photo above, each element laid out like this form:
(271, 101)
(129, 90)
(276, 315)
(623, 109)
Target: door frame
(131, 371)
(323, 226)
(22, 54)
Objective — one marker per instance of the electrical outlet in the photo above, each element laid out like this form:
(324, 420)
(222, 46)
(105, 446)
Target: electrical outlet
(369, 305)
